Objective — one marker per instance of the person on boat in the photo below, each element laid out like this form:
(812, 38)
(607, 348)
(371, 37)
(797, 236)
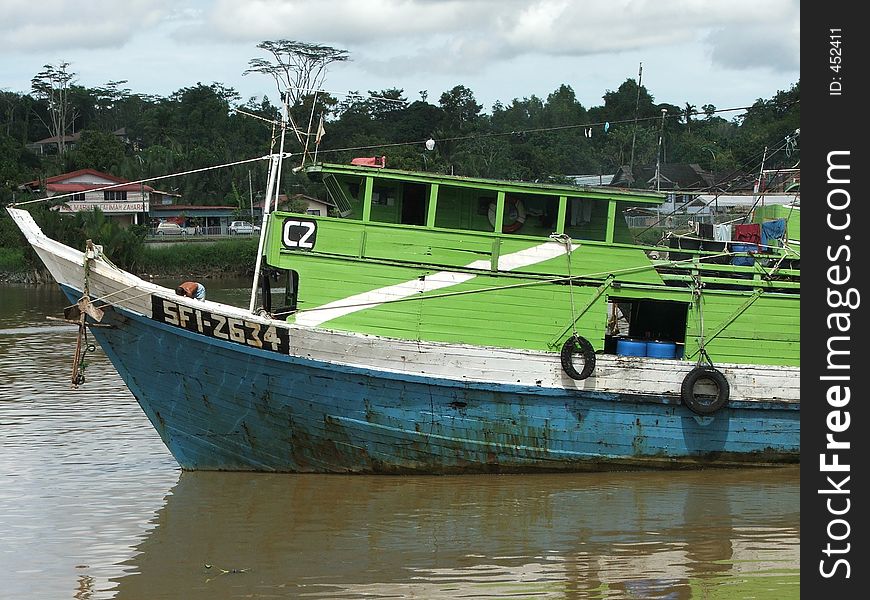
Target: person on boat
(191, 289)
(618, 323)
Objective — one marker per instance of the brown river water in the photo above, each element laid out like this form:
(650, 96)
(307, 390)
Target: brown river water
(93, 506)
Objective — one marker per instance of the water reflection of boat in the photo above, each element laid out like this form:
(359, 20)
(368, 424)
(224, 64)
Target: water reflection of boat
(631, 535)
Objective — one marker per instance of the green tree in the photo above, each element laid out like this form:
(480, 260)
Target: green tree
(123, 245)
(768, 123)
(386, 104)
(52, 85)
(16, 116)
(298, 68)
(624, 103)
(461, 110)
(690, 111)
(107, 102)
(97, 150)
(415, 122)
(17, 165)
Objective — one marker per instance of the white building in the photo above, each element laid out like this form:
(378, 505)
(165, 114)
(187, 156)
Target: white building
(85, 189)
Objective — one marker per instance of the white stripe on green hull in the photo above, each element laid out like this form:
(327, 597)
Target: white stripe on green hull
(429, 283)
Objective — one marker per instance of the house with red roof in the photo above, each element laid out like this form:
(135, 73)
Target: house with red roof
(87, 189)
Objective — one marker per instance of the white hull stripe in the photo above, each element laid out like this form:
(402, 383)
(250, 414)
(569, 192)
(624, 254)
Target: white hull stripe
(435, 281)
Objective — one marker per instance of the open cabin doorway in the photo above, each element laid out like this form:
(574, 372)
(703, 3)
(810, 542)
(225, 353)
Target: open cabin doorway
(414, 204)
(639, 321)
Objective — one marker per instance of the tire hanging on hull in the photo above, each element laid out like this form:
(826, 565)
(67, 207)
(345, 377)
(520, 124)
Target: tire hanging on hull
(705, 404)
(577, 344)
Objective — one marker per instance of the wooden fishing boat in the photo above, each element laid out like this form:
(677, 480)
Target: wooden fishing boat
(442, 324)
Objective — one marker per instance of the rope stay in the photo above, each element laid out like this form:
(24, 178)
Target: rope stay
(703, 357)
(565, 239)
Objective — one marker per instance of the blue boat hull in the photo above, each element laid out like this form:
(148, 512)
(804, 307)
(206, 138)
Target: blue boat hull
(224, 406)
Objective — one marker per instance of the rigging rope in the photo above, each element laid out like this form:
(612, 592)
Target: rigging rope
(702, 350)
(566, 240)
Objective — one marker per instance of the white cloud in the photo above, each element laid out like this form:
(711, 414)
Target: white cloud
(756, 45)
(724, 51)
(60, 26)
(346, 21)
(467, 36)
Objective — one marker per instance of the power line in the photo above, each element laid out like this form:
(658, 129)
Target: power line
(528, 131)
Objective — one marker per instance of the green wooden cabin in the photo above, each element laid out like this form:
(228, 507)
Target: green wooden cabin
(474, 261)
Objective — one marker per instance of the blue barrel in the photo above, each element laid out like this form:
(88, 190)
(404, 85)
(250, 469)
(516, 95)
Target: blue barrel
(630, 348)
(661, 349)
(743, 261)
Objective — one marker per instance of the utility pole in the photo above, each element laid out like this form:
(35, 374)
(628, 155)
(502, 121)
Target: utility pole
(636, 109)
(659, 153)
(251, 195)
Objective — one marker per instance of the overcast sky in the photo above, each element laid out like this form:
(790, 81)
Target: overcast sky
(723, 52)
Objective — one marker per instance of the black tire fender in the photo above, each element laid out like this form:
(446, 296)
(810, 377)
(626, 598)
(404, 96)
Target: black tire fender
(577, 344)
(705, 404)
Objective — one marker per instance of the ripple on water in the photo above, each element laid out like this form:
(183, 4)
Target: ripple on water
(82, 470)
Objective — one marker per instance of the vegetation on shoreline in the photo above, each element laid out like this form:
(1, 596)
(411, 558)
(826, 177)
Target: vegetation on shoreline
(137, 136)
(125, 247)
(223, 258)
(12, 260)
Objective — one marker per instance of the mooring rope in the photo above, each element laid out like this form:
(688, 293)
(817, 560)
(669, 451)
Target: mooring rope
(702, 350)
(565, 239)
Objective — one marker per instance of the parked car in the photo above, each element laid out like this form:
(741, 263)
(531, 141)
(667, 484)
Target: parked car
(237, 227)
(167, 228)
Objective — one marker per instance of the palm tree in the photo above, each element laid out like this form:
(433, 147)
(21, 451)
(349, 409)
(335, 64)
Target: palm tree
(691, 109)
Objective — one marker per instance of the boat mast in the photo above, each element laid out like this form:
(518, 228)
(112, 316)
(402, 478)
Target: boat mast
(272, 188)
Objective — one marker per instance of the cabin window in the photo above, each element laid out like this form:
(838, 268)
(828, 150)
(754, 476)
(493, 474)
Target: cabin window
(404, 203)
(634, 219)
(529, 214)
(586, 219)
(643, 320)
(414, 204)
(279, 290)
(386, 201)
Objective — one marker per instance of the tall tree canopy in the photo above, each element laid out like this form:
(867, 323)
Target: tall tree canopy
(52, 85)
(528, 138)
(298, 68)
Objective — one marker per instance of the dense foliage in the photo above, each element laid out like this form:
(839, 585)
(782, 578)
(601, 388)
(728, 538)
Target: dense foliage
(530, 138)
(139, 136)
